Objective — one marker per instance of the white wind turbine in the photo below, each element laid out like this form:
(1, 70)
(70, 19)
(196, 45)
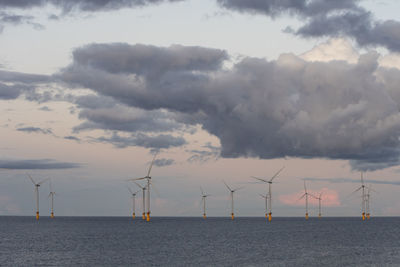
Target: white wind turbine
(367, 201)
(362, 187)
(148, 178)
(269, 182)
(51, 195)
(133, 201)
(266, 204)
(319, 204)
(306, 194)
(203, 202)
(144, 199)
(231, 194)
(37, 185)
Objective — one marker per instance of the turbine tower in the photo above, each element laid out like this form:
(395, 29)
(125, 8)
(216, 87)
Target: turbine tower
(37, 185)
(148, 178)
(319, 204)
(203, 202)
(367, 201)
(269, 182)
(306, 195)
(231, 194)
(144, 199)
(52, 194)
(362, 187)
(133, 201)
(266, 204)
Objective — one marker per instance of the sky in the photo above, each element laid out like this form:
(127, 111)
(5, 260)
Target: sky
(222, 89)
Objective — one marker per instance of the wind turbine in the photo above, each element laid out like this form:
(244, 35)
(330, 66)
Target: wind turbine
(367, 201)
(319, 204)
(203, 201)
(306, 195)
(133, 201)
(231, 194)
(269, 182)
(266, 204)
(52, 194)
(362, 187)
(37, 185)
(144, 199)
(148, 178)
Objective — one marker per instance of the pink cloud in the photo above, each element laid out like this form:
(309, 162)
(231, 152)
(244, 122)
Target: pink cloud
(330, 198)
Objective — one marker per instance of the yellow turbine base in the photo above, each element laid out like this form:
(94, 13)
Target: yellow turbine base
(204, 216)
(306, 216)
(133, 215)
(144, 216)
(363, 216)
(319, 216)
(233, 216)
(52, 215)
(270, 217)
(148, 217)
(266, 215)
(368, 216)
(37, 215)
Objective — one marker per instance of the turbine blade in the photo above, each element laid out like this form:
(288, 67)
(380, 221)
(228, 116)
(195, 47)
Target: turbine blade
(356, 190)
(130, 190)
(305, 188)
(136, 179)
(51, 187)
(276, 174)
(151, 165)
(227, 186)
(139, 185)
(239, 188)
(362, 179)
(260, 179)
(30, 177)
(201, 189)
(44, 180)
(301, 197)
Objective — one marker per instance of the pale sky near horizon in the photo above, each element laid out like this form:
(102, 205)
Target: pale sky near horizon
(239, 61)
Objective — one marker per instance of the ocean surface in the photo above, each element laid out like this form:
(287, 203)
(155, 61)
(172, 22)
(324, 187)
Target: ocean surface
(118, 241)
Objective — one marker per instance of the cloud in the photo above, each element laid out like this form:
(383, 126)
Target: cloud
(81, 5)
(35, 130)
(330, 198)
(73, 138)
(45, 108)
(143, 140)
(40, 164)
(327, 18)
(257, 108)
(210, 152)
(15, 84)
(164, 162)
(349, 180)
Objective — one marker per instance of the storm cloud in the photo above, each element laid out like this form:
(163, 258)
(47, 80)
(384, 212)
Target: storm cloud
(327, 18)
(37, 164)
(257, 108)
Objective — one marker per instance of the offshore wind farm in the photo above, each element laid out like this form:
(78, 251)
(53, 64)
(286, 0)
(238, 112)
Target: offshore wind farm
(285, 114)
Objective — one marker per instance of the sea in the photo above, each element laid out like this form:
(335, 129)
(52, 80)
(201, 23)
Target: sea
(177, 241)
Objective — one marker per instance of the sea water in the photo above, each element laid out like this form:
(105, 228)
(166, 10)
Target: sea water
(118, 241)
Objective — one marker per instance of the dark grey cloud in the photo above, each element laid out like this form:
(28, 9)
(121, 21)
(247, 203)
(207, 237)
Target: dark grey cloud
(327, 18)
(16, 84)
(127, 119)
(45, 108)
(80, 5)
(349, 180)
(257, 108)
(73, 138)
(66, 7)
(35, 130)
(207, 153)
(143, 140)
(40, 164)
(164, 162)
